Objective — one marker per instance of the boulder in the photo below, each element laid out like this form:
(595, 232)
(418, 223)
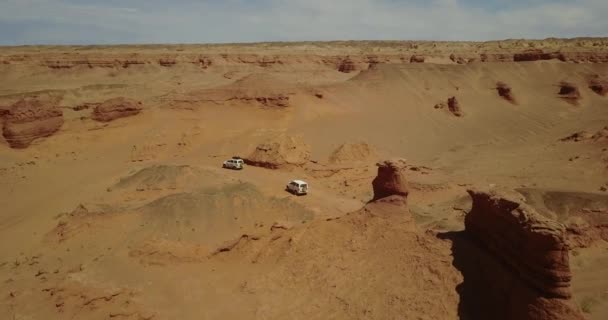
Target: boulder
(28, 120)
(116, 108)
(505, 92)
(454, 107)
(391, 180)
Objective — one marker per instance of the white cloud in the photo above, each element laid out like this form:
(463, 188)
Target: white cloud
(59, 21)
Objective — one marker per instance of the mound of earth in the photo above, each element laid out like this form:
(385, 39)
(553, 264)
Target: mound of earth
(28, 120)
(396, 269)
(160, 177)
(281, 152)
(207, 216)
(116, 108)
(353, 153)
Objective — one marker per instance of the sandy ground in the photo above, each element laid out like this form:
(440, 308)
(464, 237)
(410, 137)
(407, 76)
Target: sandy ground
(136, 219)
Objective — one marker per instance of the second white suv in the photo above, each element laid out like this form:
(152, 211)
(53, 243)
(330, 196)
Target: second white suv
(234, 163)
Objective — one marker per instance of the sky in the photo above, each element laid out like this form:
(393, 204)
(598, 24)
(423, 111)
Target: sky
(228, 21)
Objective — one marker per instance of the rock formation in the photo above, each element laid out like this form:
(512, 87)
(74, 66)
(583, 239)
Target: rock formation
(417, 59)
(577, 137)
(525, 271)
(271, 101)
(588, 228)
(347, 65)
(505, 92)
(599, 86)
(281, 152)
(116, 108)
(536, 55)
(454, 107)
(28, 120)
(584, 136)
(4, 111)
(569, 92)
(391, 180)
(167, 62)
(460, 59)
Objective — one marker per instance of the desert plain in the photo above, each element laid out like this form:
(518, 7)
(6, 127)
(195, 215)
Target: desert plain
(448, 180)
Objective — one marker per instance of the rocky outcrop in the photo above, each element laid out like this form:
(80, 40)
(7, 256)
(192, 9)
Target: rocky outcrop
(505, 92)
(584, 57)
(462, 58)
(116, 108)
(526, 271)
(599, 86)
(577, 137)
(347, 65)
(166, 62)
(256, 89)
(585, 136)
(454, 107)
(281, 152)
(587, 228)
(91, 63)
(29, 120)
(569, 92)
(391, 180)
(417, 59)
(4, 111)
(496, 57)
(270, 101)
(536, 55)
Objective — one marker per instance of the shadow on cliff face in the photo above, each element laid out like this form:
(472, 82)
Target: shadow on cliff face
(466, 254)
(489, 289)
(514, 262)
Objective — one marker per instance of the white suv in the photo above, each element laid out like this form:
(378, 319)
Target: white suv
(234, 163)
(297, 187)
